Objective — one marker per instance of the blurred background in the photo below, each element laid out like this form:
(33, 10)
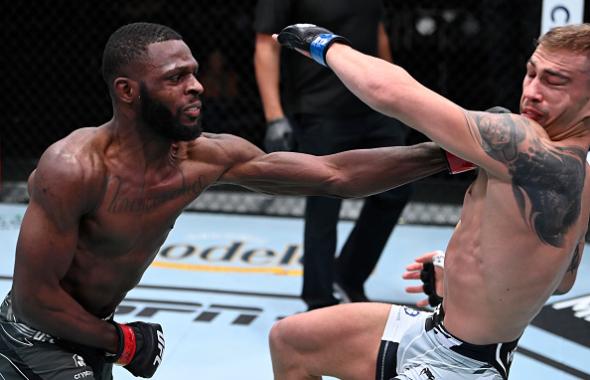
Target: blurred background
(471, 51)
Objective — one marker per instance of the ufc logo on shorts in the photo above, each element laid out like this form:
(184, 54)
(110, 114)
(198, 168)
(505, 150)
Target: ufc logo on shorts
(79, 361)
(161, 344)
(510, 356)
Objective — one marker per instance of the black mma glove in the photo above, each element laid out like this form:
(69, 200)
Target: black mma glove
(428, 278)
(141, 346)
(458, 165)
(310, 38)
(279, 136)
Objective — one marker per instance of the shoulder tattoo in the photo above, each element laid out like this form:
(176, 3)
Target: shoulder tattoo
(549, 178)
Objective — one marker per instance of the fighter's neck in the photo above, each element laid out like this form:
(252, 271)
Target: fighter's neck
(134, 144)
(578, 134)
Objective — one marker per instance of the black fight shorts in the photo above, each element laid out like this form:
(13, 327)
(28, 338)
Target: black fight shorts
(26, 353)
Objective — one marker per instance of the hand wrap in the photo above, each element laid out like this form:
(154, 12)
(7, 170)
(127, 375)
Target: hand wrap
(141, 346)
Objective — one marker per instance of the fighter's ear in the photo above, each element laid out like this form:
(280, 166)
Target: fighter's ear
(125, 89)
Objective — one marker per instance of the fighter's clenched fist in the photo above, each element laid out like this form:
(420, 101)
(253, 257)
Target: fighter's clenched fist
(310, 39)
(141, 346)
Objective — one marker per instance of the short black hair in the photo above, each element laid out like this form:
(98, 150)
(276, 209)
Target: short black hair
(129, 43)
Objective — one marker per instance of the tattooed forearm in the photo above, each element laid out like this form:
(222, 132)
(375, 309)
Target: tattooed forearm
(575, 260)
(550, 179)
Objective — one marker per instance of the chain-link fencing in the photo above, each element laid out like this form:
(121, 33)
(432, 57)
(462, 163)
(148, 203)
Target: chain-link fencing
(471, 51)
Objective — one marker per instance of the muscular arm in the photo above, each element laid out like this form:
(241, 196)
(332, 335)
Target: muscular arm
(547, 181)
(391, 90)
(45, 251)
(266, 65)
(570, 275)
(354, 173)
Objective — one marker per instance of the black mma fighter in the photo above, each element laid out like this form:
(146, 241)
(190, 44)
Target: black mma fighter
(103, 200)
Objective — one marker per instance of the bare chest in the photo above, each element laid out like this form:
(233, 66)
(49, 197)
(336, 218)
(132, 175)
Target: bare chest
(521, 231)
(137, 217)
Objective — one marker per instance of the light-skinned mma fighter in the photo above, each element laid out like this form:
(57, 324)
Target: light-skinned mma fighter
(522, 228)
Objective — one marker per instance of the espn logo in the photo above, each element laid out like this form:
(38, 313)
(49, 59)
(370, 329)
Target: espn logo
(569, 319)
(146, 308)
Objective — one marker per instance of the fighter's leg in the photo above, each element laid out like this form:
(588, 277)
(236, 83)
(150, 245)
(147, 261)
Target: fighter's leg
(340, 341)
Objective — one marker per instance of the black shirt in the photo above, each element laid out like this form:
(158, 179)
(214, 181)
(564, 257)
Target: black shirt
(308, 87)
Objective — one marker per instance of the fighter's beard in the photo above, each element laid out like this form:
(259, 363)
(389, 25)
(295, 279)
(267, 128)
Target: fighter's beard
(163, 122)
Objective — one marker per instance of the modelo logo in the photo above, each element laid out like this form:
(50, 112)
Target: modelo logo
(569, 319)
(235, 251)
(559, 13)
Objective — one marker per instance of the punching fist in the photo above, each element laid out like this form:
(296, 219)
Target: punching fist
(458, 165)
(279, 136)
(141, 346)
(310, 39)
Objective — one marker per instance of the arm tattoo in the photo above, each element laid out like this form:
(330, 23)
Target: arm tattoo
(550, 178)
(575, 260)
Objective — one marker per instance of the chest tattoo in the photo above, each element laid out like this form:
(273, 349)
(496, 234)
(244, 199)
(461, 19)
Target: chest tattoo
(140, 204)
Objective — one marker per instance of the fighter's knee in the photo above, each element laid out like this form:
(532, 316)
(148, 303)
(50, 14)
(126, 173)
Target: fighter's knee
(282, 339)
(288, 360)
(277, 338)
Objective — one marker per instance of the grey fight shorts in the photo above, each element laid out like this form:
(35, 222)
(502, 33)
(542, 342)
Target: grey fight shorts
(26, 353)
(415, 345)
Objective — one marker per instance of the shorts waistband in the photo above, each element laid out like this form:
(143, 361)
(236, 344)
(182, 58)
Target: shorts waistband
(498, 355)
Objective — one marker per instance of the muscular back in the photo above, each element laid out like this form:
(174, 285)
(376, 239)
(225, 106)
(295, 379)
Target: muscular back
(521, 230)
